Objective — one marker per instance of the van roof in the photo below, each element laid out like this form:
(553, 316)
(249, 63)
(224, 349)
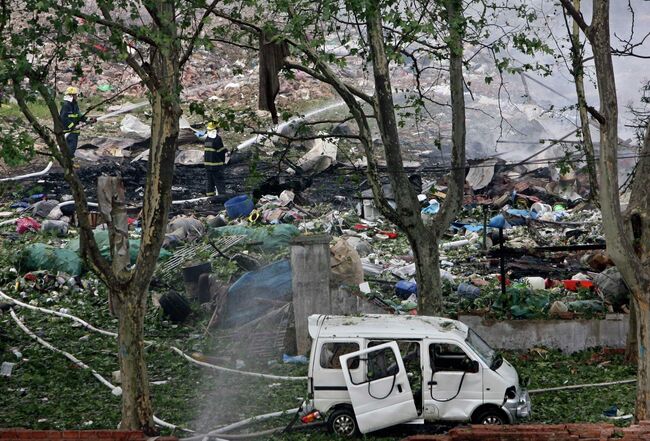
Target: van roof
(385, 326)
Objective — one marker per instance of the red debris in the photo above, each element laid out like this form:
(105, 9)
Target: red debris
(25, 224)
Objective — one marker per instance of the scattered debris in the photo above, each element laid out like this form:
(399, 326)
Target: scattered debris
(6, 368)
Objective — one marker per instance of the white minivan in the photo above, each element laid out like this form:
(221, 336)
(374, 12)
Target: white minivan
(374, 371)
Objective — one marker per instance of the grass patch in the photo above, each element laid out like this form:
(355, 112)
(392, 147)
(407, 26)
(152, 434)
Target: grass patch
(38, 108)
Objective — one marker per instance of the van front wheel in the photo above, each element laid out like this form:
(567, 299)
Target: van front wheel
(343, 424)
(492, 417)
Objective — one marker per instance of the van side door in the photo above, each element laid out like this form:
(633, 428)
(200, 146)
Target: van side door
(380, 392)
(453, 382)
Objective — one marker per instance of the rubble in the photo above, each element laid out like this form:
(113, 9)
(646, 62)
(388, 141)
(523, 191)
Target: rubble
(539, 232)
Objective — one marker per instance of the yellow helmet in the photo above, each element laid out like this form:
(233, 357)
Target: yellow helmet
(212, 125)
(72, 91)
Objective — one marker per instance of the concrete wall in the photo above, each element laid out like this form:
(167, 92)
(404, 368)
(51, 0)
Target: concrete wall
(312, 293)
(567, 335)
(310, 282)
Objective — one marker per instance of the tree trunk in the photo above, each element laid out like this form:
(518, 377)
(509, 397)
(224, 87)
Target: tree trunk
(423, 243)
(456, 182)
(620, 240)
(427, 276)
(578, 76)
(111, 198)
(137, 413)
(642, 409)
(158, 195)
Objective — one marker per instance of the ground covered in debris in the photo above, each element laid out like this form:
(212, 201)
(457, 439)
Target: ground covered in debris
(527, 244)
(377, 266)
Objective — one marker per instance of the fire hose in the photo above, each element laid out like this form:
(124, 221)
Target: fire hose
(218, 434)
(29, 175)
(173, 348)
(115, 390)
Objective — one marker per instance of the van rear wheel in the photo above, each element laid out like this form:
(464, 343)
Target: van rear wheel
(343, 424)
(490, 417)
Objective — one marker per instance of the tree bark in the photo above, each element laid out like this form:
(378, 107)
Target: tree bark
(456, 184)
(158, 197)
(427, 276)
(642, 408)
(619, 243)
(631, 343)
(137, 413)
(112, 206)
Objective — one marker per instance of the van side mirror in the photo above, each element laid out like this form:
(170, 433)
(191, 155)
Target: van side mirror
(472, 367)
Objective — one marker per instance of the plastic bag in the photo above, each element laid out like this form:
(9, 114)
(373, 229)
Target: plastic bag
(346, 264)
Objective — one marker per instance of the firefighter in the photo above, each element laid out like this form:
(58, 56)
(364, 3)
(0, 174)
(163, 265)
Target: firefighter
(215, 158)
(71, 117)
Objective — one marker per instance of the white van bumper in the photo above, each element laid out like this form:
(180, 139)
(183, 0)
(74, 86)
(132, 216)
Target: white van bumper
(519, 407)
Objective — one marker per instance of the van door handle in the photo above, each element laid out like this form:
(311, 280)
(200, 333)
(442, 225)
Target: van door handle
(399, 388)
(432, 383)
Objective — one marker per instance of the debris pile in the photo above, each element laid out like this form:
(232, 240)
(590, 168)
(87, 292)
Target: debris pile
(524, 245)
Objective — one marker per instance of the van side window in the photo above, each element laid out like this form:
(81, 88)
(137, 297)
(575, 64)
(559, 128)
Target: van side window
(448, 357)
(330, 353)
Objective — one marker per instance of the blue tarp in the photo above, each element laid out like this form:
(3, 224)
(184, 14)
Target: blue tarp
(499, 221)
(468, 227)
(246, 297)
(432, 209)
(516, 217)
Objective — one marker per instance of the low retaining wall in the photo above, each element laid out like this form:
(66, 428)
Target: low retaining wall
(543, 432)
(77, 435)
(567, 335)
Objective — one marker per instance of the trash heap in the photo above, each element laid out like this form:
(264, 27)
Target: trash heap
(525, 245)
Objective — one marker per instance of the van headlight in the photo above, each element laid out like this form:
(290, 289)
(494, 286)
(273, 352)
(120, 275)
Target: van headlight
(511, 393)
(524, 407)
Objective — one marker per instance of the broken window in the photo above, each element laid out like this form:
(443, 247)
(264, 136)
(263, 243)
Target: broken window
(380, 364)
(330, 353)
(448, 357)
(410, 352)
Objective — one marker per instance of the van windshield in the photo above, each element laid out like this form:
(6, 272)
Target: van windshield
(479, 345)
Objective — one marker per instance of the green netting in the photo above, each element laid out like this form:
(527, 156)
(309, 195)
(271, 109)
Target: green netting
(101, 237)
(40, 256)
(268, 238)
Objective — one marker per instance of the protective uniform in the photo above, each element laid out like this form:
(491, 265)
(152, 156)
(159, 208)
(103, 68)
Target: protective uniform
(70, 118)
(214, 161)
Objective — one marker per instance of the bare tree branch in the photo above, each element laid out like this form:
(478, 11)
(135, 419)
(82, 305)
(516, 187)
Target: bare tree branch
(108, 22)
(197, 32)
